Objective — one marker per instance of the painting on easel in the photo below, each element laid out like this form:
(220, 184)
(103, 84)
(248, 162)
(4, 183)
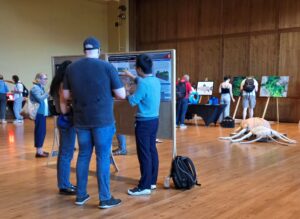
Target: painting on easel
(236, 84)
(274, 86)
(205, 87)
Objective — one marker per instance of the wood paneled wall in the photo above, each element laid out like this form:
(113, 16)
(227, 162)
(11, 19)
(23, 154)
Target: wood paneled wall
(214, 38)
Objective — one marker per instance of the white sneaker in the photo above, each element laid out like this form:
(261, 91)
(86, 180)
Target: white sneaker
(182, 126)
(137, 191)
(3, 121)
(18, 121)
(153, 187)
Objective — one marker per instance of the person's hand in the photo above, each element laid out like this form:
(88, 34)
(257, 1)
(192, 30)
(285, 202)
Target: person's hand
(128, 74)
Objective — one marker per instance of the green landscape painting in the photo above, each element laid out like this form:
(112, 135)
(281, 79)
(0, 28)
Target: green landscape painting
(274, 86)
(236, 84)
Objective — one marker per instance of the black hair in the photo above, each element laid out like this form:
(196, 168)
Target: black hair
(226, 78)
(59, 77)
(145, 63)
(15, 78)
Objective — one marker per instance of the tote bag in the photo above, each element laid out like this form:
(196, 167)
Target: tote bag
(30, 109)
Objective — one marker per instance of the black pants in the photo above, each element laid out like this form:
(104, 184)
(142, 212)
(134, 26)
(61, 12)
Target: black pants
(145, 136)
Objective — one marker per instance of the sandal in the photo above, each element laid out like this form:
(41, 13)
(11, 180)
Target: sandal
(119, 152)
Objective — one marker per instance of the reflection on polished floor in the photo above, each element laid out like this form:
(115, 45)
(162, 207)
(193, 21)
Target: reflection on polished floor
(260, 180)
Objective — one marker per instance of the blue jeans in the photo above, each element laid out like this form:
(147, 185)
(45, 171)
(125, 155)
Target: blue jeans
(17, 108)
(225, 99)
(66, 150)
(2, 105)
(181, 108)
(101, 138)
(145, 136)
(39, 130)
(121, 142)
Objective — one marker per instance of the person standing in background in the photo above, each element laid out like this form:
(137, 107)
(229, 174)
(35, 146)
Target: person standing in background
(39, 95)
(121, 150)
(225, 89)
(182, 102)
(249, 87)
(3, 91)
(67, 134)
(18, 98)
(91, 84)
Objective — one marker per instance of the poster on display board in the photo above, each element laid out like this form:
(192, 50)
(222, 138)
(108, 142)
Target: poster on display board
(205, 88)
(274, 86)
(162, 69)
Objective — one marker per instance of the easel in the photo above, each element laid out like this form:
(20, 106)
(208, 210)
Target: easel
(277, 108)
(55, 147)
(236, 107)
(208, 96)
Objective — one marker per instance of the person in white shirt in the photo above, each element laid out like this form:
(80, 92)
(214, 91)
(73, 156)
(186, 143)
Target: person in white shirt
(249, 87)
(18, 98)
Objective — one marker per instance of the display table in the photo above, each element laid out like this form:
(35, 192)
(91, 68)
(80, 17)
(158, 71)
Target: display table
(209, 113)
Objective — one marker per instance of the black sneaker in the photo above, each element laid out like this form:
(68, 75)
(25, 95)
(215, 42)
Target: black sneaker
(137, 191)
(112, 202)
(68, 191)
(82, 200)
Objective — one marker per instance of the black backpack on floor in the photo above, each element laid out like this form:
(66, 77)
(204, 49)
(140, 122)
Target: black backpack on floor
(183, 173)
(227, 122)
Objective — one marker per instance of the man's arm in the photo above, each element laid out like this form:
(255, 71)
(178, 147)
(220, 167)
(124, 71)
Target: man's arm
(120, 93)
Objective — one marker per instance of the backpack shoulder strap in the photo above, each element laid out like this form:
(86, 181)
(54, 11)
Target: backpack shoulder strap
(191, 164)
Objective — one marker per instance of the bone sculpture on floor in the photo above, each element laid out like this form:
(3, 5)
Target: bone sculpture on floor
(260, 128)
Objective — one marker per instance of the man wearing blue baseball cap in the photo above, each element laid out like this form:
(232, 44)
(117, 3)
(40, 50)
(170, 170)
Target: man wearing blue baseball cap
(91, 84)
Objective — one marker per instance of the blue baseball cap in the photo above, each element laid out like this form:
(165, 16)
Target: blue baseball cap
(91, 43)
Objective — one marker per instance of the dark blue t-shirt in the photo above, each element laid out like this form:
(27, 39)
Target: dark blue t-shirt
(91, 82)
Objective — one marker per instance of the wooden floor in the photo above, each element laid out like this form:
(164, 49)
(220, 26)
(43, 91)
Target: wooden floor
(260, 180)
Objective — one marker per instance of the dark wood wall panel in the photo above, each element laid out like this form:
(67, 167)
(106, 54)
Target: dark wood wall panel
(214, 38)
(210, 17)
(289, 14)
(260, 20)
(235, 60)
(209, 61)
(236, 16)
(186, 59)
(263, 55)
(146, 12)
(166, 20)
(188, 19)
(289, 63)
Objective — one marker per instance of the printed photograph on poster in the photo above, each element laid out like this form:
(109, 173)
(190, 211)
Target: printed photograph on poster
(162, 70)
(236, 84)
(274, 86)
(205, 87)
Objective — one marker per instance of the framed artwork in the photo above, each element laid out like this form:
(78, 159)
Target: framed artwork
(236, 84)
(274, 86)
(205, 87)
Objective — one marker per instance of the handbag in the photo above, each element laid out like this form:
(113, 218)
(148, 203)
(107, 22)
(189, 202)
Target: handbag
(30, 109)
